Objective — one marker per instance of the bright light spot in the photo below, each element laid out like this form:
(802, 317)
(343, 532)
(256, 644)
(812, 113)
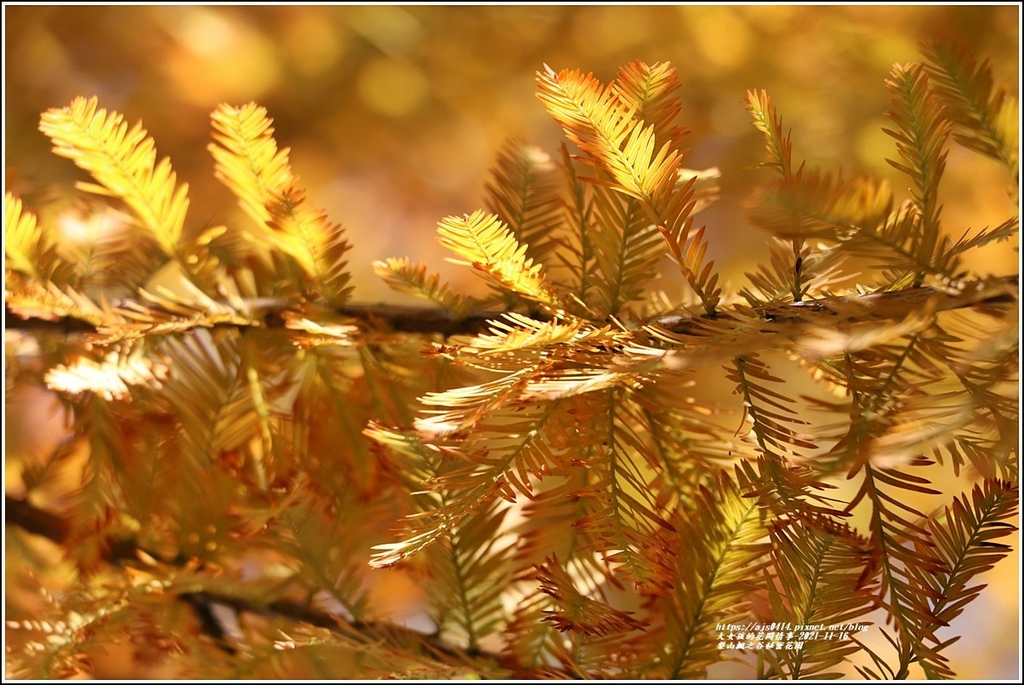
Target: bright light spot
(207, 33)
(391, 29)
(392, 87)
(723, 37)
(77, 227)
(314, 43)
(223, 56)
(110, 378)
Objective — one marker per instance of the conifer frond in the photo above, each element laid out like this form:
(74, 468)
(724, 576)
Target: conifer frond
(722, 550)
(987, 119)
(578, 253)
(814, 204)
(688, 252)
(904, 548)
(577, 612)
(461, 506)
(625, 525)
(627, 248)
(688, 442)
(988, 372)
(522, 333)
(597, 121)
(123, 162)
(552, 351)
(778, 142)
(803, 270)
(50, 303)
(436, 513)
(779, 476)
(964, 538)
(110, 377)
(99, 253)
(780, 280)
(859, 216)
(161, 314)
(248, 160)
(821, 576)
(903, 244)
(415, 278)
(304, 521)
(873, 377)
(774, 423)
(471, 568)
(524, 193)
(533, 641)
(99, 491)
(547, 531)
(514, 447)
(940, 410)
(213, 407)
(28, 246)
(461, 408)
(1001, 233)
(169, 294)
(650, 91)
(547, 525)
(318, 245)
(807, 204)
(326, 379)
(486, 243)
(250, 164)
(562, 383)
(921, 133)
(604, 123)
(605, 128)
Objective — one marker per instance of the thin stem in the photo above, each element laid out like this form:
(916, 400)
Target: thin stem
(892, 305)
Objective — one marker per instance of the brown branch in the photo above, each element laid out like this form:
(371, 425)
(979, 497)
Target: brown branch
(21, 513)
(850, 309)
(24, 515)
(431, 320)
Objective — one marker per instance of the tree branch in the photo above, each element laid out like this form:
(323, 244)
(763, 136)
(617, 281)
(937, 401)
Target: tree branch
(22, 514)
(994, 292)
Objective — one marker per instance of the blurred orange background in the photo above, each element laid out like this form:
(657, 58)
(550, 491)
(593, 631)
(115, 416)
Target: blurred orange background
(395, 113)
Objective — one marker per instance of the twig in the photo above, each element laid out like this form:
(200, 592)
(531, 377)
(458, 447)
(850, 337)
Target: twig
(21, 513)
(32, 519)
(431, 320)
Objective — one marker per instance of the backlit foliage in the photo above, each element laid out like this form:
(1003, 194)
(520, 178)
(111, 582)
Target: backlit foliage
(250, 452)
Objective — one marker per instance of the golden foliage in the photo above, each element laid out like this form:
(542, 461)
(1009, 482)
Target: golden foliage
(123, 162)
(550, 466)
(486, 243)
(415, 278)
(24, 245)
(250, 164)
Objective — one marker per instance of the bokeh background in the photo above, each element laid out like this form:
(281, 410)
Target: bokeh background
(394, 115)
